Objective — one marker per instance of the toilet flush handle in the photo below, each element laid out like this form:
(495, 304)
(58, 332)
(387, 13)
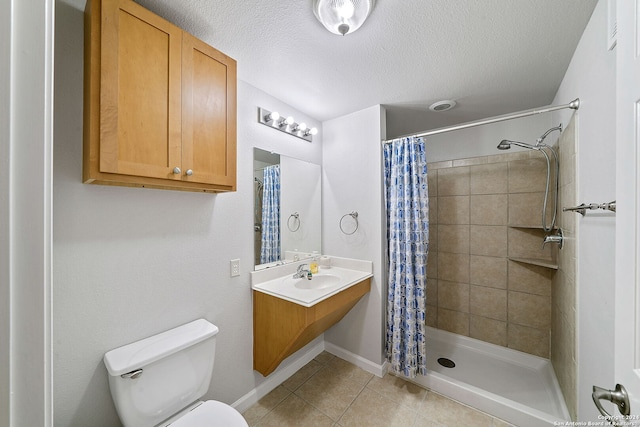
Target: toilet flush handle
(133, 374)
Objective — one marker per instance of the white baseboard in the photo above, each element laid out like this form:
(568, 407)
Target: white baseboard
(277, 378)
(359, 361)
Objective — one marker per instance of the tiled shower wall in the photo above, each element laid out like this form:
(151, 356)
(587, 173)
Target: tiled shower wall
(563, 295)
(485, 278)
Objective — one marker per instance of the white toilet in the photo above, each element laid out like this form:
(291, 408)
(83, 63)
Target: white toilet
(157, 381)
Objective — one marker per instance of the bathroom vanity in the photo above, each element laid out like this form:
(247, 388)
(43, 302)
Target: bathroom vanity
(289, 312)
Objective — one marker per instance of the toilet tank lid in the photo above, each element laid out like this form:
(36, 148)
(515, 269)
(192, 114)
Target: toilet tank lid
(141, 353)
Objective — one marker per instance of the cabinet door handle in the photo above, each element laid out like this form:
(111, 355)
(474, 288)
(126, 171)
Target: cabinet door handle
(189, 172)
(176, 170)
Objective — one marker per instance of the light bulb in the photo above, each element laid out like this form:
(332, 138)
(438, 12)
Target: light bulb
(272, 116)
(284, 122)
(312, 131)
(346, 9)
(301, 127)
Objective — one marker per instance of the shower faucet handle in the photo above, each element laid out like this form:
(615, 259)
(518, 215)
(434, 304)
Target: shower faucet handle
(554, 238)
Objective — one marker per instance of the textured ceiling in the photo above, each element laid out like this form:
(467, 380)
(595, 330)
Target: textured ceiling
(491, 56)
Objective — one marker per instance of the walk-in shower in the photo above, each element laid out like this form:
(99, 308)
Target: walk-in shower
(507, 384)
(506, 144)
(490, 299)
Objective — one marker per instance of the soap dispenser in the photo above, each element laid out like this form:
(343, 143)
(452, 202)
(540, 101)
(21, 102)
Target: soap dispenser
(313, 266)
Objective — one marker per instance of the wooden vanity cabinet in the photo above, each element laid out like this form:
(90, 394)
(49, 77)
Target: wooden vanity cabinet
(160, 105)
(282, 327)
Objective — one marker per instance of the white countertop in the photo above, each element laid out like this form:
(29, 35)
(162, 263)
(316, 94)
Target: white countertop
(278, 282)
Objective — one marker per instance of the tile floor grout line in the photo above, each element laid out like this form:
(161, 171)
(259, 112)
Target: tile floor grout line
(355, 398)
(274, 408)
(323, 366)
(416, 412)
(324, 413)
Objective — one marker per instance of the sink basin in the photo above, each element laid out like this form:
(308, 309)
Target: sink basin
(323, 285)
(318, 281)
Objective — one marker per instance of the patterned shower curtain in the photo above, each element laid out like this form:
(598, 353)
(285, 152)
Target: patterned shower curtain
(407, 202)
(270, 242)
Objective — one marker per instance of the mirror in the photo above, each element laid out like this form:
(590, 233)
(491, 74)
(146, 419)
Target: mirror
(287, 208)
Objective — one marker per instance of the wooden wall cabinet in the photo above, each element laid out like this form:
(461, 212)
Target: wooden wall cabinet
(160, 105)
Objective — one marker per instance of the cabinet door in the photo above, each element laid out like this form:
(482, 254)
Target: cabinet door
(140, 99)
(208, 114)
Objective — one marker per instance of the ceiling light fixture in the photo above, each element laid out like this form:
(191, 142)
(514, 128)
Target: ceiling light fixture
(342, 17)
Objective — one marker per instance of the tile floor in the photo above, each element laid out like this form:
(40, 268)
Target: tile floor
(331, 392)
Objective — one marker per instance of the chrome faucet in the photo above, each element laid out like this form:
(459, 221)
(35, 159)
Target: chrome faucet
(554, 238)
(303, 271)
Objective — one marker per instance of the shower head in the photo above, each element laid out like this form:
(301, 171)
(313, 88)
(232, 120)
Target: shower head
(505, 144)
(558, 128)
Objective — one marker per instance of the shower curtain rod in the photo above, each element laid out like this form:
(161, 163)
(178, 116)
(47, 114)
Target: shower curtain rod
(263, 168)
(575, 104)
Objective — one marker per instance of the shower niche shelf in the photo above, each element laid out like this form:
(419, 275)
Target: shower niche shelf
(539, 262)
(533, 227)
(529, 256)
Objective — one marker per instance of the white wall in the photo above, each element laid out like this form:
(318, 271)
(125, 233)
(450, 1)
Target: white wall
(132, 262)
(300, 186)
(5, 211)
(483, 140)
(592, 77)
(352, 181)
(26, 109)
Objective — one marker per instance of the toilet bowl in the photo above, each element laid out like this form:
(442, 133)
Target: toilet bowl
(207, 414)
(159, 380)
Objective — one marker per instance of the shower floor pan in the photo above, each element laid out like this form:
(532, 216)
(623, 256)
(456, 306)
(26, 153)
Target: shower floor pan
(514, 386)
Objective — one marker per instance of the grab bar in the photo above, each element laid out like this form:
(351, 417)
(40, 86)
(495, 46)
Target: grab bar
(582, 209)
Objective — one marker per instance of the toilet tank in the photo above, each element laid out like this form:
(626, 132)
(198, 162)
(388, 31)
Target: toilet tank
(176, 371)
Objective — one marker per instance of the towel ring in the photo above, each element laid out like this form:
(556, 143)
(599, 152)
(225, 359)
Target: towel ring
(296, 217)
(353, 215)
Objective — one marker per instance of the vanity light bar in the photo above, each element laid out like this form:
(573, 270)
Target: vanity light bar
(286, 124)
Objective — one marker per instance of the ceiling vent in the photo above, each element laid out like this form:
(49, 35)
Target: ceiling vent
(442, 105)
